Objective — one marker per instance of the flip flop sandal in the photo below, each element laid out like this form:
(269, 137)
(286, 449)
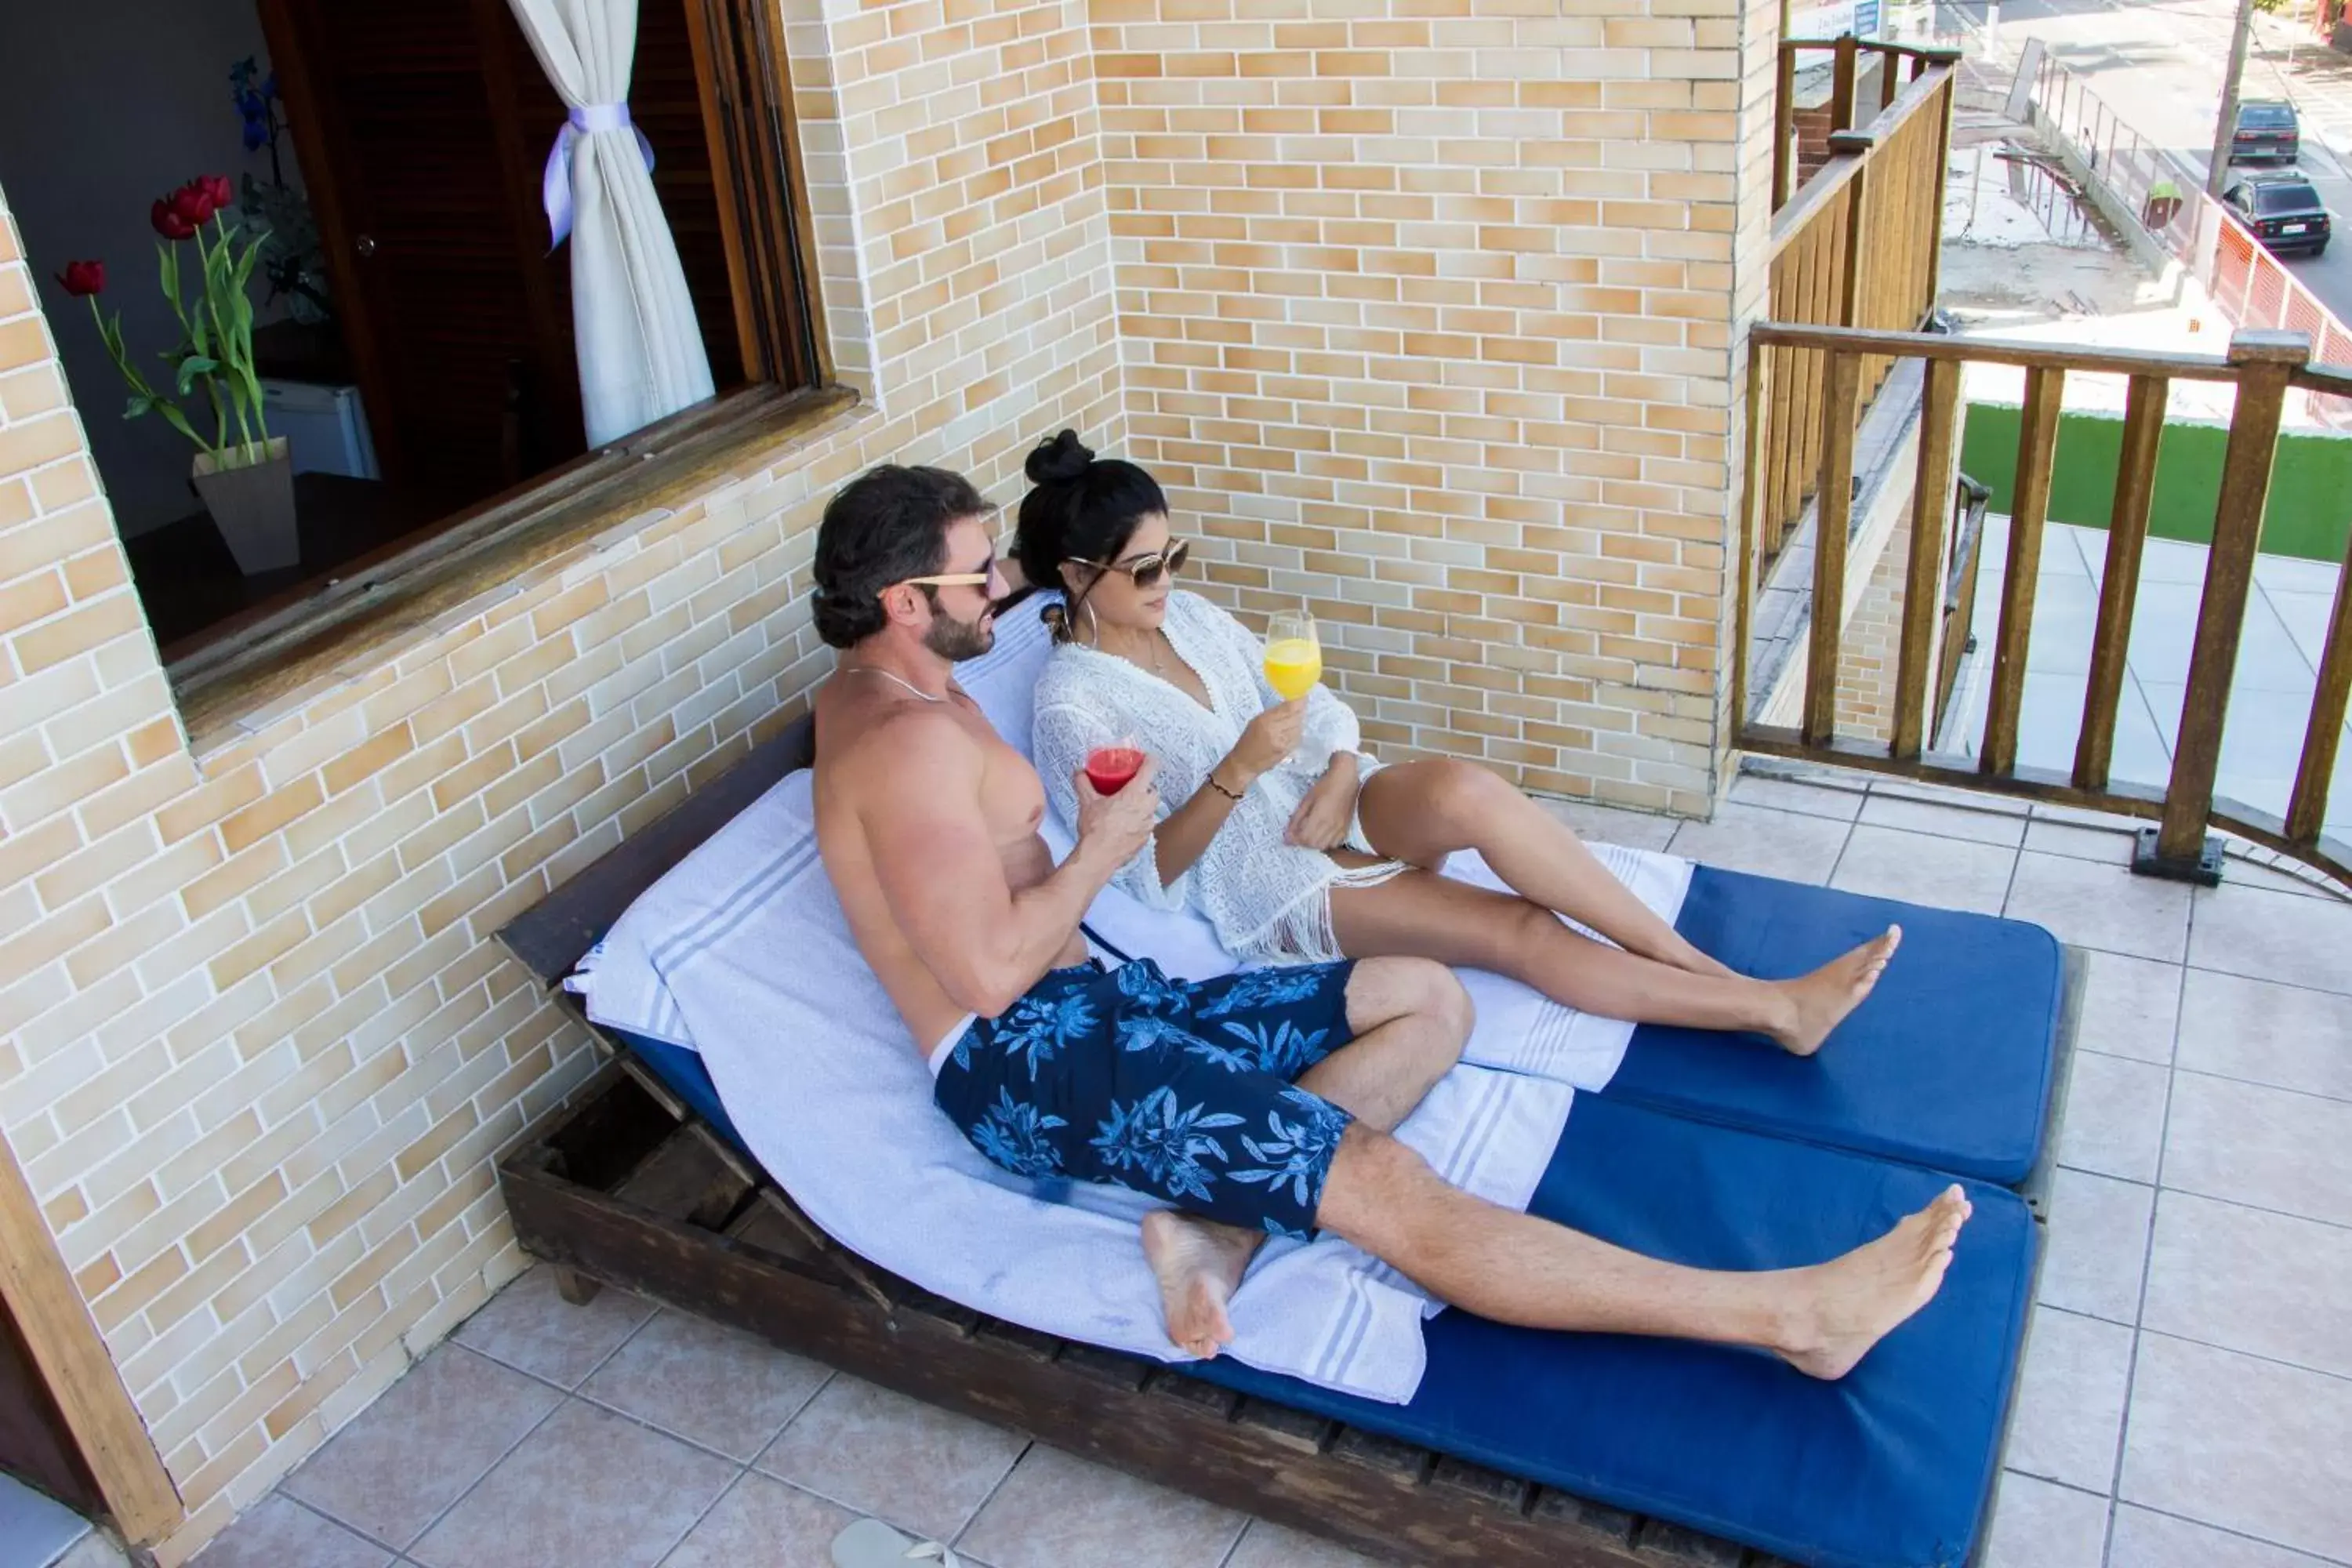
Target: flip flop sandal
(870, 1543)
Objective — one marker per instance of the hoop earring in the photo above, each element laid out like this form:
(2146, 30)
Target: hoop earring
(1093, 626)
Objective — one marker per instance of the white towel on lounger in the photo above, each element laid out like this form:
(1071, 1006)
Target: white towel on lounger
(750, 947)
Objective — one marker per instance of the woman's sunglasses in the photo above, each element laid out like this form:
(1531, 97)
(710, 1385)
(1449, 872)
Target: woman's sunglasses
(1146, 570)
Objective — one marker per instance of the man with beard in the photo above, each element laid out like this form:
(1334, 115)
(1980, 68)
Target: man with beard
(1254, 1104)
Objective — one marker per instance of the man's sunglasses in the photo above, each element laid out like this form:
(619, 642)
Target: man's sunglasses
(954, 579)
(1146, 570)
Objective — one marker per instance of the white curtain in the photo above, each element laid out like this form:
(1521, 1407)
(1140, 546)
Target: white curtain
(640, 349)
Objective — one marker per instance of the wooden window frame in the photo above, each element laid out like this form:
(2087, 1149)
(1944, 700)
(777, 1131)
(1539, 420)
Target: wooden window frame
(277, 645)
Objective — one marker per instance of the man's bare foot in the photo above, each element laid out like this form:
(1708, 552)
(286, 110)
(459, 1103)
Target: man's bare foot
(1199, 1265)
(1857, 1299)
(1825, 997)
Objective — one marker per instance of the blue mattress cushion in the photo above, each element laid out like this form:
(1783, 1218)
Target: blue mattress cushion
(1890, 1466)
(1948, 1063)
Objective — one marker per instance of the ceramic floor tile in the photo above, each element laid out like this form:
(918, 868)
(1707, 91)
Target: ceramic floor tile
(2244, 1444)
(35, 1529)
(278, 1533)
(1269, 1545)
(2038, 1525)
(413, 1452)
(2173, 561)
(1793, 844)
(1975, 802)
(1606, 825)
(1789, 794)
(2146, 1540)
(2098, 1248)
(532, 1329)
(2070, 1400)
(2285, 1036)
(2268, 1148)
(762, 1523)
(2273, 936)
(2050, 721)
(912, 1464)
(2102, 907)
(2130, 1007)
(2114, 1124)
(2065, 613)
(2305, 618)
(587, 1487)
(1950, 873)
(2303, 882)
(2105, 844)
(2247, 1279)
(1059, 1512)
(2295, 574)
(710, 1385)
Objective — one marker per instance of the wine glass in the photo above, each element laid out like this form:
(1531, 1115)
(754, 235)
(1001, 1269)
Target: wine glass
(1294, 654)
(1111, 768)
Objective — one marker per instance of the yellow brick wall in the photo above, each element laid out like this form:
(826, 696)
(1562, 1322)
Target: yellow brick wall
(1428, 315)
(257, 1052)
(1426, 311)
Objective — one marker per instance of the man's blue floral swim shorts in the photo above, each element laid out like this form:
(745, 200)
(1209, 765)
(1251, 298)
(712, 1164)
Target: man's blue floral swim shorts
(1178, 1089)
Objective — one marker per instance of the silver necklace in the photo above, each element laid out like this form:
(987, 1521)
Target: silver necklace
(870, 670)
(1158, 667)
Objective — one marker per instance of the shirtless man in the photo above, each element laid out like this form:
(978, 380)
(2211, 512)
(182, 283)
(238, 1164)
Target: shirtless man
(1256, 1104)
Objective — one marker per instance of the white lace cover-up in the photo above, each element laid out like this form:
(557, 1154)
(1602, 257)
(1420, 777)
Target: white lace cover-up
(1268, 898)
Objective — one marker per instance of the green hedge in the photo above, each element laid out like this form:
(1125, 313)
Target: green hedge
(2310, 511)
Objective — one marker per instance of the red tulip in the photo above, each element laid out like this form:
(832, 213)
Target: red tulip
(169, 223)
(192, 203)
(217, 190)
(82, 277)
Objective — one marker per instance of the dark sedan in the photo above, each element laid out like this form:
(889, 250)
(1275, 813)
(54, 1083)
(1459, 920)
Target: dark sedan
(2266, 130)
(2285, 213)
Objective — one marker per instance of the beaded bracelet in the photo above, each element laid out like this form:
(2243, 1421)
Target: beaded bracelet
(1221, 790)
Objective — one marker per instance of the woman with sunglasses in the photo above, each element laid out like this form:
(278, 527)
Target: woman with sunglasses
(1296, 845)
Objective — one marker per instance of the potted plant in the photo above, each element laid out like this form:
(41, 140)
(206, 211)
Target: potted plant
(243, 473)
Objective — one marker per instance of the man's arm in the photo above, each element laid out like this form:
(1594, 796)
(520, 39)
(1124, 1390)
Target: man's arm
(942, 876)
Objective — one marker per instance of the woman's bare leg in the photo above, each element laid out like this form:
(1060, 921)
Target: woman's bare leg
(1408, 1017)
(1517, 1269)
(1424, 811)
(1430, 916)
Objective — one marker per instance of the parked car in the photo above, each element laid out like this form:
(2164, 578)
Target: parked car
(2267, 129)
(2285, 213)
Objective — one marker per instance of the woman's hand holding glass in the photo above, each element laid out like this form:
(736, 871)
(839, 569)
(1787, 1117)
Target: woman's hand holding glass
(1267, 742)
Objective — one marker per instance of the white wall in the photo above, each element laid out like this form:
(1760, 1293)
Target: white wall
(109, 104)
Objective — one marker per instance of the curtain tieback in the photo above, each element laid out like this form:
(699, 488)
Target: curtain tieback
(555, 185)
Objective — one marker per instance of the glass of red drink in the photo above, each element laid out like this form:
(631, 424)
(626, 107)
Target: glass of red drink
(1108, 768)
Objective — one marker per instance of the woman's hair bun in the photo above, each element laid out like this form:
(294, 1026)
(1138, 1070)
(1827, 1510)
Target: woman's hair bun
(1059, 460)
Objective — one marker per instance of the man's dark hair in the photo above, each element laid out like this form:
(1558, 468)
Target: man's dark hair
(886, 525)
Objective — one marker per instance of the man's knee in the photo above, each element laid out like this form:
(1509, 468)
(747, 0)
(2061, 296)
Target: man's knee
(1383, 990)
(1372, 1189)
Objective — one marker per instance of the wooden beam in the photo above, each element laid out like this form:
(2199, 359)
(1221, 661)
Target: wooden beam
(2030, 505)
(1842, 84)
(1923, 587)
(65, 1344)
(2144, 406)
(1751, 508)
(1784, 126)
(1996, 351)
(2307, 806)
(2265, 361)
(1833, 515)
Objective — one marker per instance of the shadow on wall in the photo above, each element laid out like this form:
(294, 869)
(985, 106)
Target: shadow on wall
(2310, 509)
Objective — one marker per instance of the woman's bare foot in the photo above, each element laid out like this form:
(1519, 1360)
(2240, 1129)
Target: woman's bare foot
(1825, 997)
(1857, 1299)
(1199, 1265)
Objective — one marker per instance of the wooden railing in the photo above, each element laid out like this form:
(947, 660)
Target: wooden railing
(2263, 366)
(1850, 59)
(1860, 245)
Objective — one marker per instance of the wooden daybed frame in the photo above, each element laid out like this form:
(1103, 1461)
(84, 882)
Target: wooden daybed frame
(624, 1185)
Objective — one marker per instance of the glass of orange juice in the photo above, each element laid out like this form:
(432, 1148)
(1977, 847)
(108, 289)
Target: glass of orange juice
(1293, 657)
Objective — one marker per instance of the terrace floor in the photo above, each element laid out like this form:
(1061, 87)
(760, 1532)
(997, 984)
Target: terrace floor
(2187, 1397)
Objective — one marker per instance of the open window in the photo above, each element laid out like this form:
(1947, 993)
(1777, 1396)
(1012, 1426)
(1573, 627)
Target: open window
(415, 338)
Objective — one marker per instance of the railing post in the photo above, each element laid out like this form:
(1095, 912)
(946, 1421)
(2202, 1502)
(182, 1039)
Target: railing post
(2179, 848)
(2037, 443)
(2120, 582)
(1833, 516)
(1751, 508)
(2307, 806)
(1923, 587)
(1842, 85)
(1948, 91)
(1784, 126)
